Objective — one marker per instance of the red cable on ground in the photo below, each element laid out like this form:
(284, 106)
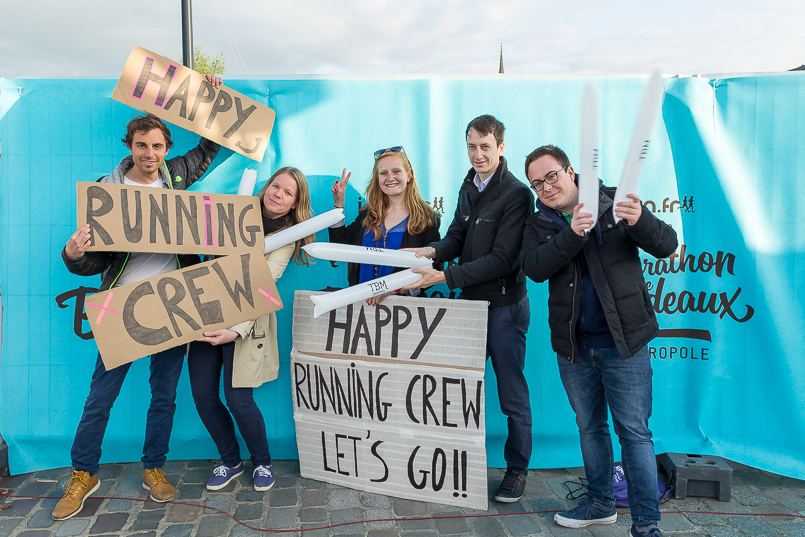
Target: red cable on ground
(436, 517)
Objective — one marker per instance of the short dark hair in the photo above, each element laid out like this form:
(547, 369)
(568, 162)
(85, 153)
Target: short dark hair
(546, 150)
(486, 125)
(146, 123)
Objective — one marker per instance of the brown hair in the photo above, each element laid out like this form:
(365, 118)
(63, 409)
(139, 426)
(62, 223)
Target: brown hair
(302, 212)
(143, 124)
(547, 150)
(421, 215)
(485, 125)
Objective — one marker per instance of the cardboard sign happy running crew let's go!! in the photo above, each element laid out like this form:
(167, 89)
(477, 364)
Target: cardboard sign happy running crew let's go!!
(181, 96)
(126, 218)
(390, 399)
(145, 317)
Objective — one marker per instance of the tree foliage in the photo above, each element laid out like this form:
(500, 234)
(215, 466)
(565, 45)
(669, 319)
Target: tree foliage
(207, 63)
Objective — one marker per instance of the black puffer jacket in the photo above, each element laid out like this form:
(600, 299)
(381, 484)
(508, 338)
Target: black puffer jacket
(353, 234)
(550, 253)
(488, 252)
(179, 173)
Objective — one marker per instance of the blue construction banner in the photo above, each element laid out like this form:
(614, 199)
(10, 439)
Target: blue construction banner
(724, 169)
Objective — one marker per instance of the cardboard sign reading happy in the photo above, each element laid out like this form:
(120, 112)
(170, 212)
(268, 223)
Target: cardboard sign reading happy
(145, 317)
(125, 218)
(183, 97)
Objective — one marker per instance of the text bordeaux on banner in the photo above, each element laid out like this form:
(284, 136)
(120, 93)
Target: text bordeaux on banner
(125, 218)
(181, 96)
(390, 399)
(145, 317)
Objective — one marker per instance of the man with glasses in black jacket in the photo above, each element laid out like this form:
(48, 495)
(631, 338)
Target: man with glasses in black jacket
(601, 320)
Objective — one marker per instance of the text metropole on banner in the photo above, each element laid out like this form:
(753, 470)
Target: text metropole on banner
(126, 218)
(177, 94)
(142, 318)
(405, 421)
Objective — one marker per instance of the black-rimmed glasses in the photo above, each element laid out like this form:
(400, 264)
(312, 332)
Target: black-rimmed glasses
(551, 178)
(382, 152)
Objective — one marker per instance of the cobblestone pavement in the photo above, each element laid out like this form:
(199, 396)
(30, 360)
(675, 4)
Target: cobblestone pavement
(296, 503)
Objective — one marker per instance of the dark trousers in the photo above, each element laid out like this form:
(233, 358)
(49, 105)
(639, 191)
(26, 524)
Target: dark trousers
(505, 344)
(204, 364)
(600, 379)
(166, 367)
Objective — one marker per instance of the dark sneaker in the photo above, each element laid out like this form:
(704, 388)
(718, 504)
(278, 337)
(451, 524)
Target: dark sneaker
(222, 476)
(653, 532)
(263, 478)
(512, 487)
(585, 514)
(80, 486)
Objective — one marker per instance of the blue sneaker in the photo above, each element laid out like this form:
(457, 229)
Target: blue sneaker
(263, 478)
(222, 476)
(585, 514)
(654, 531)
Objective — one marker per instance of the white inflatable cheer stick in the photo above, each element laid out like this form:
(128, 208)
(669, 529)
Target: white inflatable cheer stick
(302, 230)
(350, 253)
(590, 153)
(640, 140)
(247, 181)
(362, 291)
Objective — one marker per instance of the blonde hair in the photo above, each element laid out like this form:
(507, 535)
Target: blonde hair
(302, 212)
(421, 215)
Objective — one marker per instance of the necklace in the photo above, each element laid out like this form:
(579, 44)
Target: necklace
(385, 234)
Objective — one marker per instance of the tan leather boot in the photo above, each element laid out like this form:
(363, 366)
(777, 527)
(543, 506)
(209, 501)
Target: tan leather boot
(79, 488)
(157, 483)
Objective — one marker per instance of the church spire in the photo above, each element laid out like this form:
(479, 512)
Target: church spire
(501, 58)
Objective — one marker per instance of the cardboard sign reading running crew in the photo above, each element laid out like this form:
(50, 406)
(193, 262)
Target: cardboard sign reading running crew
(391, 394)
(152, 315)
(390, 399)
(177, 94)
(125, 218)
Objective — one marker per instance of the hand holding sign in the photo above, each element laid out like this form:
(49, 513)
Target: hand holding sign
(219, 337)
(214, 81)
(78, 243)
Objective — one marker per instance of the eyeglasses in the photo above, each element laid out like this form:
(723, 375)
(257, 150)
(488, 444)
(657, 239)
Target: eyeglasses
(396, 149)
(551, 178)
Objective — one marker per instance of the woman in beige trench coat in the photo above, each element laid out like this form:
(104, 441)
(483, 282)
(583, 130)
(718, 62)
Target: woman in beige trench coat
(247, 354)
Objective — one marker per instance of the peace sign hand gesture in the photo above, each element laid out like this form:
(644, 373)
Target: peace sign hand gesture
(340, 189)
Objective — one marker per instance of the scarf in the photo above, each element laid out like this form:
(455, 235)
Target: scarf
(271, 225)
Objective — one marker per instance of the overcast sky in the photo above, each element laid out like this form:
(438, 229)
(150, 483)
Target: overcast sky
(49, 38)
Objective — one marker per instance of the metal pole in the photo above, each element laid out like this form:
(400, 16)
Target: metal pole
(4, 471)
(187, 33)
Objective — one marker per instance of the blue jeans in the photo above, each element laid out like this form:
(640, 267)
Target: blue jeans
(166, 367)
(600, 378)
(204, 364)
(505, 344)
